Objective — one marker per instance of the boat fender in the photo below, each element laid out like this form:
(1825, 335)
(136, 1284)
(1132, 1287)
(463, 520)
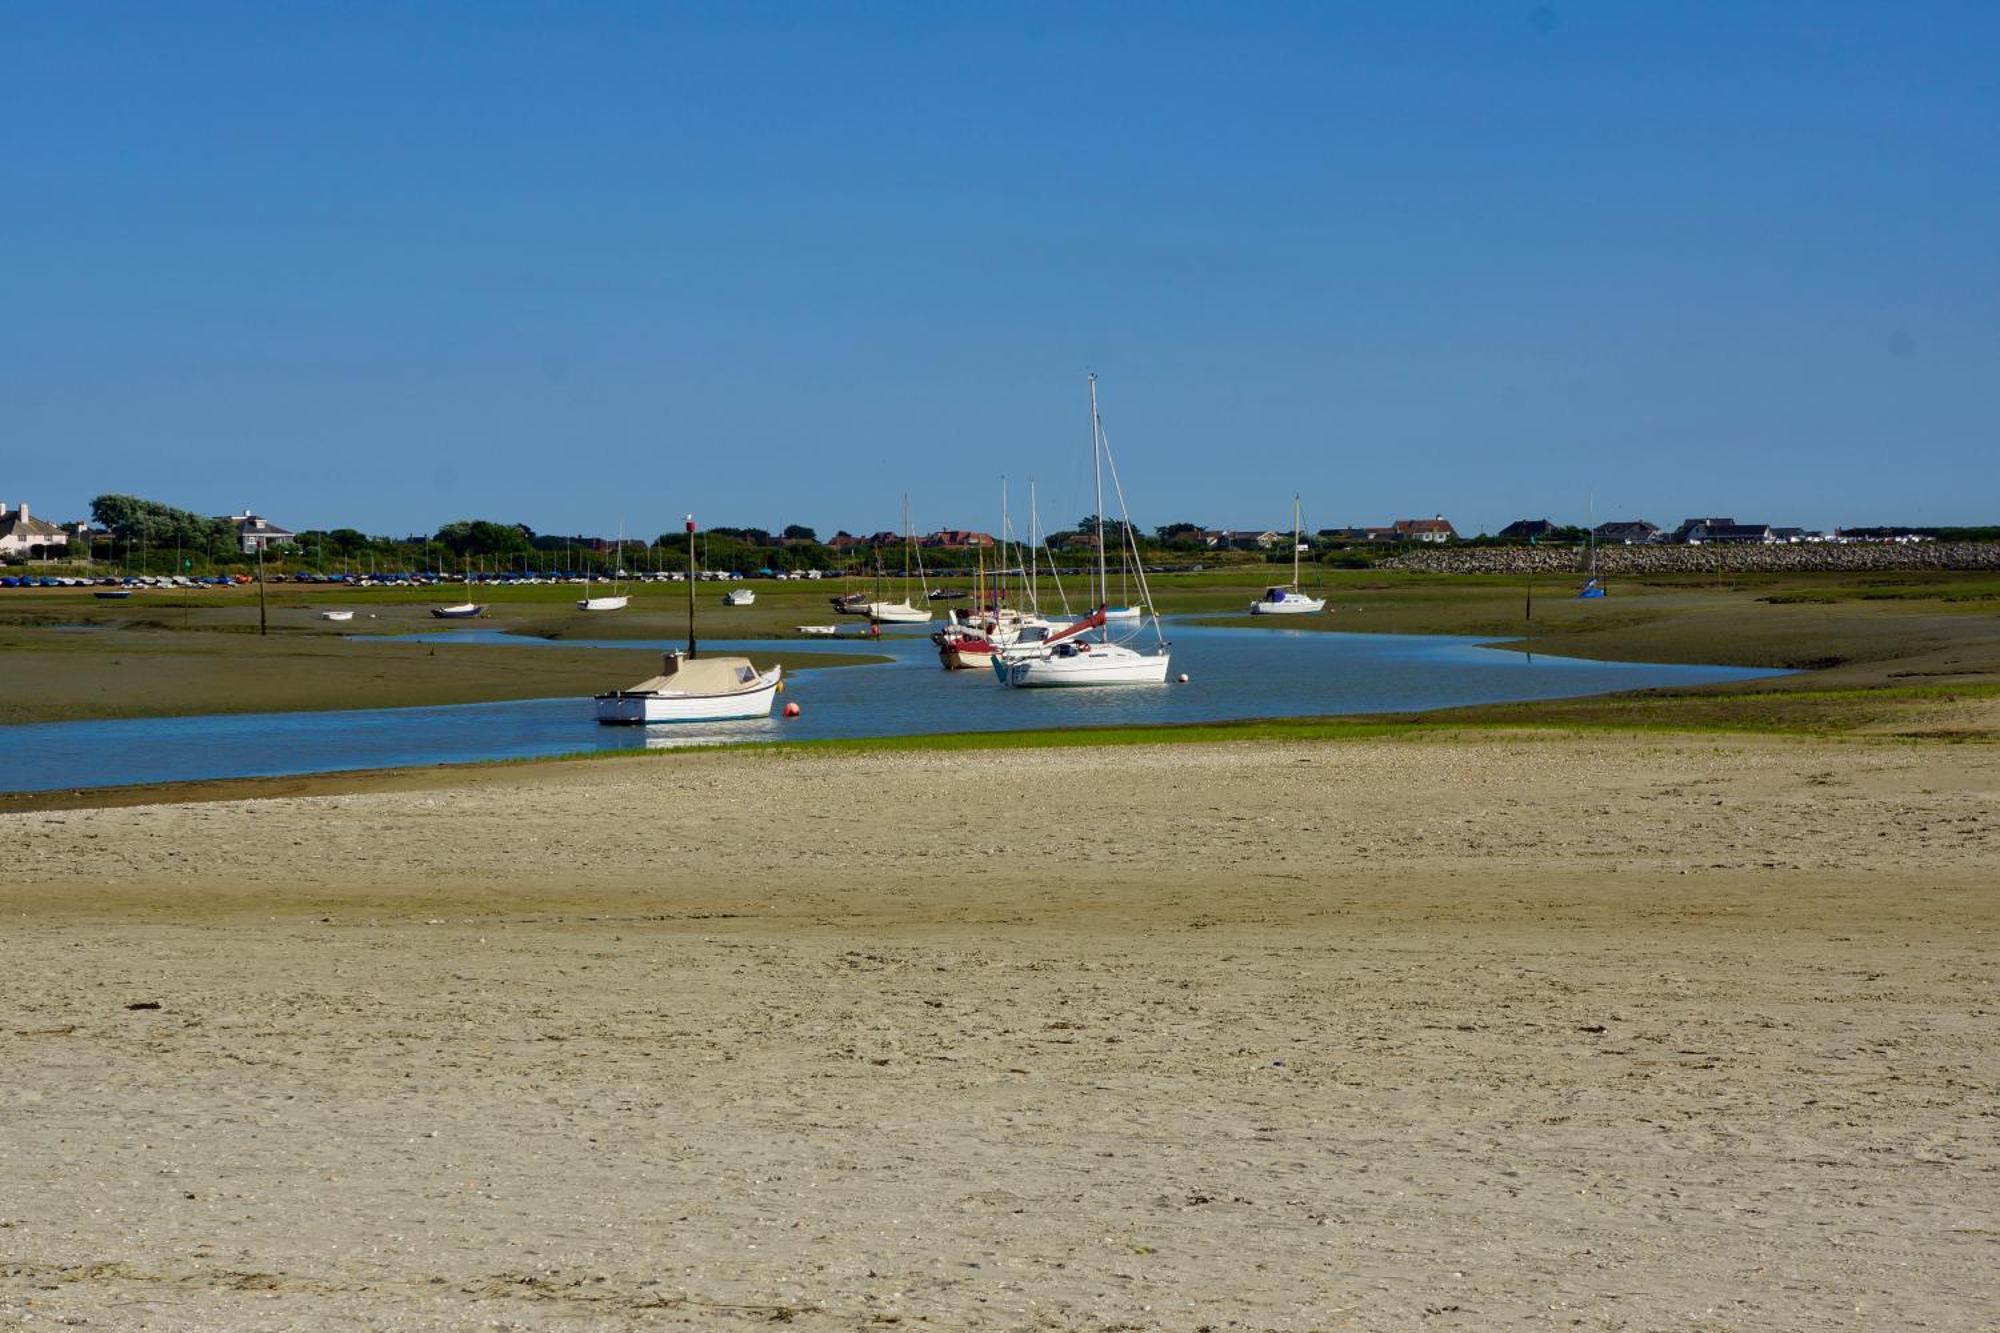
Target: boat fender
(781, 687)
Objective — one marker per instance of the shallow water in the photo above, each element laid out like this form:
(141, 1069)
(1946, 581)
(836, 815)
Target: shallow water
(1235, 673)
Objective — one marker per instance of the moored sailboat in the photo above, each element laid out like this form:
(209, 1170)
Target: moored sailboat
(1288, 599)
(1072, 658)
(691, 688)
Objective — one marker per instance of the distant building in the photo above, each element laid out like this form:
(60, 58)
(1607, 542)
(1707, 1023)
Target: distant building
(1342, 534)
(1231, 539)
(1634, 533)
(1898, 535)
(22, 534)
(1722, 532)
(1527, 530)
(958, 539)
(1437, 529)
(257, 533)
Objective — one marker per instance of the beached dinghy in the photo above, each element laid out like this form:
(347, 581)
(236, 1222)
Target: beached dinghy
(336, 615)
(462, 611)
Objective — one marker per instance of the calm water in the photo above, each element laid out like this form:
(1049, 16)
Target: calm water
(1235, 673)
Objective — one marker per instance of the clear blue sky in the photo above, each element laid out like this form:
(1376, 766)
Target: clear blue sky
(590, 266)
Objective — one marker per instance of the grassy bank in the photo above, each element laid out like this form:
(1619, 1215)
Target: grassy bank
(64, 676)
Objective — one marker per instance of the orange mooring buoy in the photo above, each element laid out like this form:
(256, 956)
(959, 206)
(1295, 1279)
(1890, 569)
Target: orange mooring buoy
(791, 710)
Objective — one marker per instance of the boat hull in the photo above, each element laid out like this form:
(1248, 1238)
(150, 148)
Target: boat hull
(467, 611)
(895, 613)
(1291, 606)
(602, 603)
(634, 708)
(1098, 665)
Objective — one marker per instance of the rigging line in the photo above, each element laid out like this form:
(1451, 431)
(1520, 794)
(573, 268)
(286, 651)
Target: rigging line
(1118, 489)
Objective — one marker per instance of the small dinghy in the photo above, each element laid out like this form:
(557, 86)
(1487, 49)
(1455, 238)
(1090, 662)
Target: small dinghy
(739, 597)
(463, 611)
(817, 629)
(336, 615)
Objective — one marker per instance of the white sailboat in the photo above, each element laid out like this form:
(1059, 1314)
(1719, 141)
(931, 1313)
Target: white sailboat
(465, 610)
(612, 602)
(691, 688)
(1288, 599)
(1077, 659)
(903, 612)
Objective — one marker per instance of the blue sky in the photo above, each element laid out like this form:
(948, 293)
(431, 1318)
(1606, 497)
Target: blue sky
(591, 266)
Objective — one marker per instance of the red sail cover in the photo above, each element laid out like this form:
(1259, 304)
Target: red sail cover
(1092, 621)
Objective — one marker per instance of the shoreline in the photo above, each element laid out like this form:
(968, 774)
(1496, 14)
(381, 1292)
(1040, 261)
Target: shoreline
(1678, 1029)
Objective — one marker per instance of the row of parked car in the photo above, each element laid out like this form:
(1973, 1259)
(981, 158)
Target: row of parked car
(125, 581)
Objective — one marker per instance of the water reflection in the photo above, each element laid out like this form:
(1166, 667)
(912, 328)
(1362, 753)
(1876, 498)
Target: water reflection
(1236, 673)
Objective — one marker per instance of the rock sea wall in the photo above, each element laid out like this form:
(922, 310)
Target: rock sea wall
(1613, 560)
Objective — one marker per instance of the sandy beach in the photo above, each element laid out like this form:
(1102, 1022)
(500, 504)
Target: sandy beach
(1546, 1031)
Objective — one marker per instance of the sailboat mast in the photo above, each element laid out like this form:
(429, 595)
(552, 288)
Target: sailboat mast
(1097, 477)
(1000, 570)
(690, 536)
(1295, 541)
(1034, 560)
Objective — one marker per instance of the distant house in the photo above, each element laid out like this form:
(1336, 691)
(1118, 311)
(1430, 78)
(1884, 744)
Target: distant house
(1722, 532)
(257, 533)
(844, 541)
(1381, 534)
(1437, 529)
(1342, 534)
(1900, 536)
(1527, 530)
(1231, 539)
(958, 539)
(22, 534)
(1636, 533)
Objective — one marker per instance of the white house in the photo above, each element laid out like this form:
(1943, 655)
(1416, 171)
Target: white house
(24, 535)
(258, 533)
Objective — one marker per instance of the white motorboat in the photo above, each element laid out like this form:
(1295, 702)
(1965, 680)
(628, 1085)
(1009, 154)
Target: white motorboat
(460, 611)
(1287, 599)
(336, 615)
(740, 597)
(704, 689)
(1070, 657)
(692, 688)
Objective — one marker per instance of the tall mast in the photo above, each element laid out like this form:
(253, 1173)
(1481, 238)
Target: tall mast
(1034, 560)
(1000, 570)
(909, 541)
(1295, 541)
(690, 535)
(1097, 476)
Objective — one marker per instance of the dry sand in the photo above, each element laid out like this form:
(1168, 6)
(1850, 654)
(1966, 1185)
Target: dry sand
(1546, 1032)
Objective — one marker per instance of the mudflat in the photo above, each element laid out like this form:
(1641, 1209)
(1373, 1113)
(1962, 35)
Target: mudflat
(1448, 1031)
